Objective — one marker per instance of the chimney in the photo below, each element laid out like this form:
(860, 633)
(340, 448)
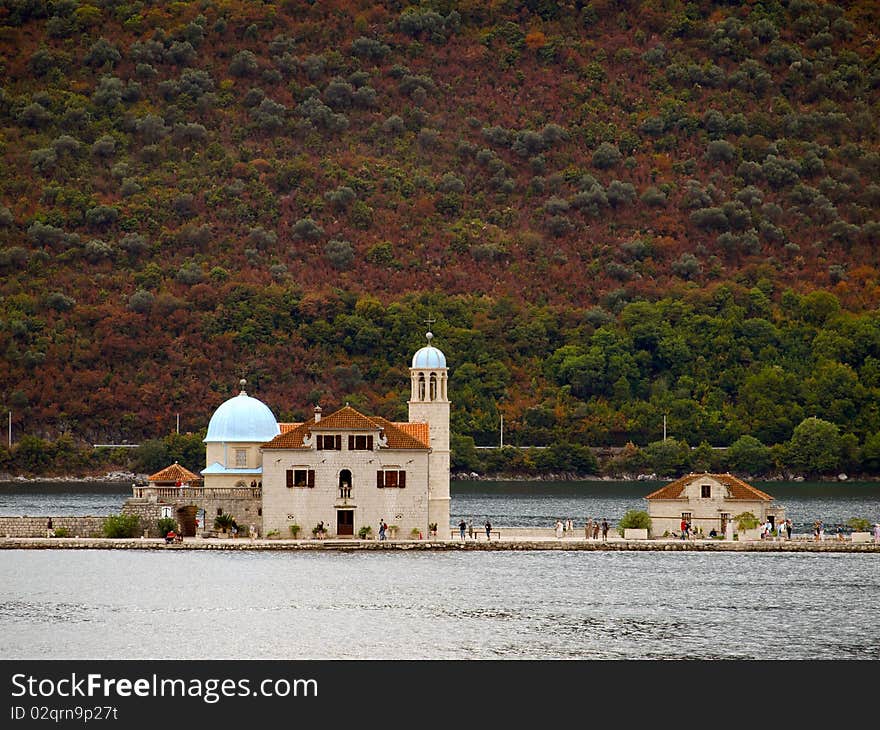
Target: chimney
(317, 413)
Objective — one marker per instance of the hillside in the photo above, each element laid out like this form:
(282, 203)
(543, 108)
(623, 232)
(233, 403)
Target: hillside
(615, 210)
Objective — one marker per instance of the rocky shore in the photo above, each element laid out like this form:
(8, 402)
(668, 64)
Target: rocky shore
(122, 477)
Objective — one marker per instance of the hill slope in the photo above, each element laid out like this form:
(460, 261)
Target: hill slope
(615, 211)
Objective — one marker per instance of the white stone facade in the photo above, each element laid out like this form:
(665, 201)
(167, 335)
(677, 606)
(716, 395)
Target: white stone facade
(345, 482)
(710, 501)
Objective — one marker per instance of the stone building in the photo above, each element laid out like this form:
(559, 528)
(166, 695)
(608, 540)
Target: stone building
(709, 501)
(346, 470)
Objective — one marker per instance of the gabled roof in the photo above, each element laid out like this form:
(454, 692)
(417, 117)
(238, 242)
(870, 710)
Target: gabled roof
(346, 419)
(292, 438)
(174, 473)
(419, 431)
(737, 488)
(399, 435)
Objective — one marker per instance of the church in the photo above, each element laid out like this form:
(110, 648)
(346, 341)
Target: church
(344, 470)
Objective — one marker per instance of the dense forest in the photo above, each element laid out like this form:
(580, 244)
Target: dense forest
(617, 211)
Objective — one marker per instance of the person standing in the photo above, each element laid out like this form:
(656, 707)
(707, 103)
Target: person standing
(684, 528)
(588, 528)
(488, 531)
(558, 529)
(788, 529)
(381, 529)
(604, 529)
(462, 526)
(877, 532)
(595, 529)
(50, 531)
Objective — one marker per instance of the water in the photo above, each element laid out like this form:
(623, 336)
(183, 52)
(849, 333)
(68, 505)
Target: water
(93, 604)
(538, 605)
(505, 504)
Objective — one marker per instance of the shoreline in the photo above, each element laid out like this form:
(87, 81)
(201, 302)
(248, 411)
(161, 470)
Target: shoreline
(346, 545)
(128, 478)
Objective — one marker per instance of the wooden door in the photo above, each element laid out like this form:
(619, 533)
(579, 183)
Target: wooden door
(345, 522)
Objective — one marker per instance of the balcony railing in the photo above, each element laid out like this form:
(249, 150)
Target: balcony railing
(345, 492)
(198, 492)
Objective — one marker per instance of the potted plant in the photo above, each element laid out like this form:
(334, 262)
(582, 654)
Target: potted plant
(432, 528)
(364, 532)
(745, 521)
(273, 534)
(392, 532)
(415, 533)
(166, 524)
(635, 525)
(294, 531)
(225, 523)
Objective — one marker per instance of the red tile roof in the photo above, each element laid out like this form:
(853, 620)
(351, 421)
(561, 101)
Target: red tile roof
(737, 488)
(291, 439)
(174, 473)
(348, 419)
(399, 435)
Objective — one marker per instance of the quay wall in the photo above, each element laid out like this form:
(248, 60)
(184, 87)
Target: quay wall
(439, 545)
(13, 527)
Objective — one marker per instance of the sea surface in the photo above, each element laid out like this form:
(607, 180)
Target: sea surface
(505, 504)
(94, 604)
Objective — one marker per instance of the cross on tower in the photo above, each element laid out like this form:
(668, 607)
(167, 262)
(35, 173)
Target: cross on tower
(429, 321)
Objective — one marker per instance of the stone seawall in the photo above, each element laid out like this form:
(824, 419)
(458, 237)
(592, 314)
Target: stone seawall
(13, 527)
(805, 546)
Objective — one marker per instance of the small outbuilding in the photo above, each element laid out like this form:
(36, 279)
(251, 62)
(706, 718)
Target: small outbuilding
(709, 502)
(174, 476)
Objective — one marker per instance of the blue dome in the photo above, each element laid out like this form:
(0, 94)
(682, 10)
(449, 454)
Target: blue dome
(429, 357)
(244, 419)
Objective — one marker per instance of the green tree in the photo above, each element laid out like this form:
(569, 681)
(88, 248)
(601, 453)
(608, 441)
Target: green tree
(668, 458)
(815, 446)
(747, 455)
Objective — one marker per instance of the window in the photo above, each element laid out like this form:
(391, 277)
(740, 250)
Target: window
(705, 491)
(360, 443)
(686, 516)
(300, 478)
(329, 443)
(433, 389)
(391, 478)
(241, 457)
(421, 386)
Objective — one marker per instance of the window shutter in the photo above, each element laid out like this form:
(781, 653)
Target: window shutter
(290, 477)
(369, 443)
(380, 479)
(401, 479)
(311, 477)
(351, 443)
(337, 442)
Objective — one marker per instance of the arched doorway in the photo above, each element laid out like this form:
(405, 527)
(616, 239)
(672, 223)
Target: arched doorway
(186, 519)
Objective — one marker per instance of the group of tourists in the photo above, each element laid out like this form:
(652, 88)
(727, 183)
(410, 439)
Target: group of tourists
(592, 528)
(782, 531)
(468, 528)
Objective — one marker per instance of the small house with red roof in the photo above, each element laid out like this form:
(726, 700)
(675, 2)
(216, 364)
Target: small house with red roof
(709, 502)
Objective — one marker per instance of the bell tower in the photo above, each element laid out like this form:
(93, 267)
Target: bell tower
(429, 404)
